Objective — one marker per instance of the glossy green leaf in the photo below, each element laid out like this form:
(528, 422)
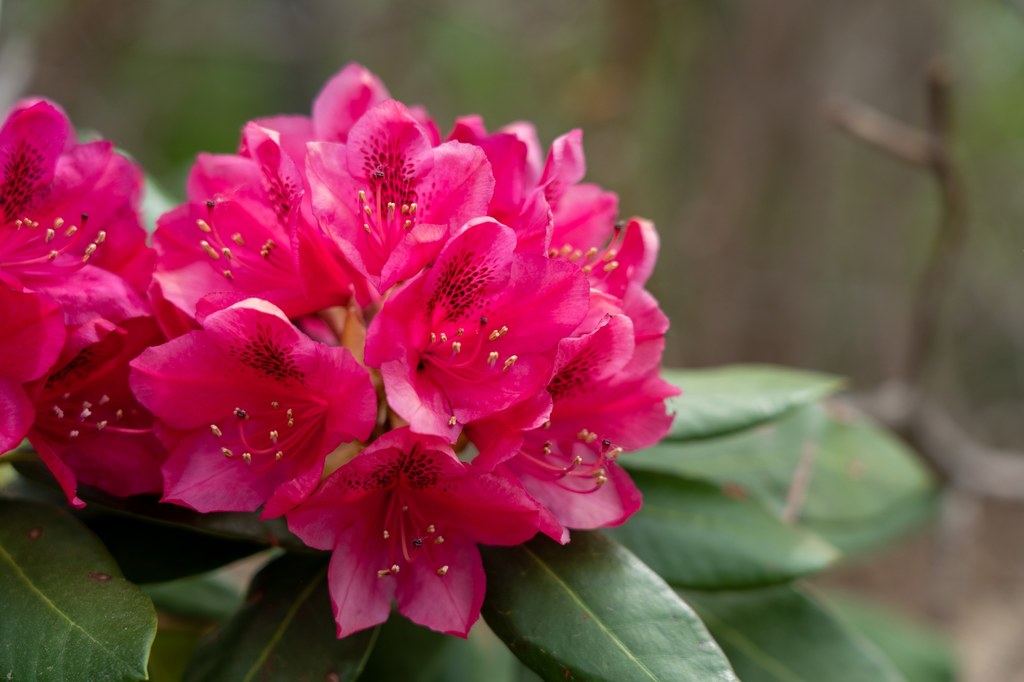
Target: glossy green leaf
(590, 610)
(695, 535)
(206, 597)
(67, 612)
(919, 654)
(722, 400)
(822, 466)
(285, 631)
(242, 526)
(779, 634)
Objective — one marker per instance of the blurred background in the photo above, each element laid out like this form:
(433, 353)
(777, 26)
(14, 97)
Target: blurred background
(784, 239)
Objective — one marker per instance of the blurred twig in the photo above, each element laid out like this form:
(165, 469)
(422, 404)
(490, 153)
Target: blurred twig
(971, 470)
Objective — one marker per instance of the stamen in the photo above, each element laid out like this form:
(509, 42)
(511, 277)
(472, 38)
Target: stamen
(431, 529)
(383, 572)
(412, 207)
(362, 196)
(210, 251)
(498, 333)
(228, 275)
(387, 535)
(442, 571)
(456, 347)
(492, 358)
(70, 232)
(59, 412)
(100, 425)
(509, 362)
(203, 225)
(73, 433)
(274, 404)
(274, 435)
(104, 399)
(247, 456)
(226, 452)
(89, 250)
(227, 253)
(290, 415)
(50, 234)
(278, 455)
(101, 236)
(452, 422)
(237, 238)
(611, 266)
(395, 568)
(58, 223)
(216, 430)
(439, 540)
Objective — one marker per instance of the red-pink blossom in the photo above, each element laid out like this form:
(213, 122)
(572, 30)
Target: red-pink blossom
(476, 333)
(69, 224)
(252, 408)
(31, 337)
(389, 198)
(89, 428)
(403, 519)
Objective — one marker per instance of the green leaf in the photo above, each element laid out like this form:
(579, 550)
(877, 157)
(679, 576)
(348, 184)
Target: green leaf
(726, 399)
(838, 474)
(779, 634)
(171, 650)
(204, 597)
(285, 631)
(590, 610)
(67, 614)
(695, 535)
(919, 654)
(36, 482)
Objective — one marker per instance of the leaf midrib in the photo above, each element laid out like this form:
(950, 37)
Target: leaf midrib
(284, 625)
(50, 604)
(593, 616)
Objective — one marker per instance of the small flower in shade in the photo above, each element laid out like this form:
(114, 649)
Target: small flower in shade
(251, 409)
(89, 428)
(476, 333)
(31, 337)
(403, 519)
(69, 224)
(389, 198)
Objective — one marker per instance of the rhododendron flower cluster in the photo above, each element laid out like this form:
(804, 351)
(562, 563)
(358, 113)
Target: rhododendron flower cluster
(74, 267)
(405, 344)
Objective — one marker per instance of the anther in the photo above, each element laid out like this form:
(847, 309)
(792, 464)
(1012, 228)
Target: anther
(119, 414)
(395, 568)
(73, 433)
(405, 507)
(405, 209)
(240, 413)
(407, 224)
(58, 223)
(444, 338)
(203, 225)
(452, 421)
(591, 252)
(387, 535)
(412, 207)
(210, 251)
(497, 333)
(226, 452)
(59, 412)
(431, 529)
(492, 358)
(274, 435)
(85, 414)
(70, 232)
(391, 210)
(442, 571)
(509, 362)
(216, 430)
(104, 399)
(456, 347)
(610, 255)
(362, 196)
(439, 540)
(101, 236)
(460, 332)
(290, 415)
(247, 456)
(228, 275)
(100, 425)
(583, 434)
(89, 250)
(586, 269)
(611, 266)
(366, 227)
(50, 234)
(383, 572)
(274, 404)
(237, 238)
(52, 255)
(227, 253)
(278, 455)
(433, 337)
(368, 210)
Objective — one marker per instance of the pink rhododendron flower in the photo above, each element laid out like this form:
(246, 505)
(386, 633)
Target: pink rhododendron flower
(252, 408)
(89, 428)
(69, 222)
(403, 519)
(389, 198)
(476, 333)
(31, 337)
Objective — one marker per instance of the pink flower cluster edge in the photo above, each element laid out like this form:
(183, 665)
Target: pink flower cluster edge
(405, 344)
